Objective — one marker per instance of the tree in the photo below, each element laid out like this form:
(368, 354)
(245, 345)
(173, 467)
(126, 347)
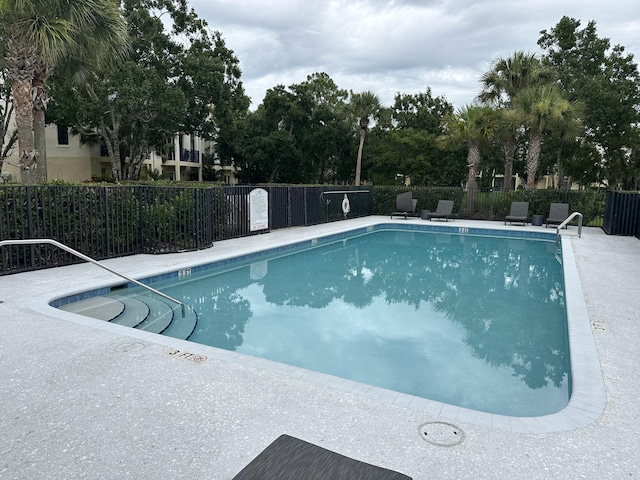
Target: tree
(540, 109)
(180, 79)
(405, 143)
(476, 127)
(297, 134)
(324, 143)
(566, 134)
(507, 78)
(39, 35)
(8, 135)
(272, 147)
(366, 107)
(607, 81)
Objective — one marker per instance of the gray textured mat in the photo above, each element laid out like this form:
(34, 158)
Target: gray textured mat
(289, 458)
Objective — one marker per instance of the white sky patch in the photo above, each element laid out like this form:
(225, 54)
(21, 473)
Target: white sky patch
(397, 46)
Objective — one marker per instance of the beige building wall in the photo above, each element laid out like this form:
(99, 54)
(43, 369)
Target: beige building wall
(67, 159)
(71, 161)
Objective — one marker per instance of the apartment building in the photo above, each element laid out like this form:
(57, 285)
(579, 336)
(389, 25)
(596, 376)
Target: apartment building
(70, 160)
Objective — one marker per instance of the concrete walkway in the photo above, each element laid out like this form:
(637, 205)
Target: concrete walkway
(81, 399)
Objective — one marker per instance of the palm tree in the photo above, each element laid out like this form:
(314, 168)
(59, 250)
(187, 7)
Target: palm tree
(365, 106)
(475, 126)
(507, 78)
(41, 34)
(540, 109)
(566, 132)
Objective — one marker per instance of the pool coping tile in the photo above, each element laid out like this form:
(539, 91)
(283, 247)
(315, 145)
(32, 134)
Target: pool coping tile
(587, 401)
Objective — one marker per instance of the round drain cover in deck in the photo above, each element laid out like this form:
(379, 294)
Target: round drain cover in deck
(130, 347)
(441, 433)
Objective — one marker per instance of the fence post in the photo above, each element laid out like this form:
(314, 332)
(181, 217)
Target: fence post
(30, 211)
(197, 194)
(289, 220)
(107, 229)
(306, 206)
(138, 190)
(491, 204)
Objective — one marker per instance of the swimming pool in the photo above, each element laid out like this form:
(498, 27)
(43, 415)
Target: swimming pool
(418, 307)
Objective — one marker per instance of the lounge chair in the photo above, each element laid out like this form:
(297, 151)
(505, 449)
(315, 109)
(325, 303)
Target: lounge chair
(405, 205)
(519, 213)
(558, 213)
(289, 458)
(443, 210)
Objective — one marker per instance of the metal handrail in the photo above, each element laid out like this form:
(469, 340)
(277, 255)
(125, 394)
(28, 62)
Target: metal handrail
(38, 241)
(566, 221)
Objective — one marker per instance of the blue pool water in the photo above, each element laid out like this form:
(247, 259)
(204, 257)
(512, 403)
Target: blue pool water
(470, 320)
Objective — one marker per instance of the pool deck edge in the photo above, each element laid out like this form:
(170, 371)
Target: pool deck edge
(588, 397)
(84, 399)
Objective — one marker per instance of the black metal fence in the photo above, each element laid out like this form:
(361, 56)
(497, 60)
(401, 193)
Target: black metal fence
(622, 213)
(113, 221)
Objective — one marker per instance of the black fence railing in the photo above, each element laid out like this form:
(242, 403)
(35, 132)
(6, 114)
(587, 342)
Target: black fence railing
(622, 213)
(113, 221)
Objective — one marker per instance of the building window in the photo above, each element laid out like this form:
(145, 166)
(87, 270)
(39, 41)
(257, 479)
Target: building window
(63, 135)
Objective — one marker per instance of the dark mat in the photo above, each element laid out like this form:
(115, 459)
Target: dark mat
(289, 458)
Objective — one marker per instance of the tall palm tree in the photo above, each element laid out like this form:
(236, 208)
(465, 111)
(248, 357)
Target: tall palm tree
(475, 126)
(365, 106)
(41, 34)
(566, 132)
(507, 78)
(540, 109)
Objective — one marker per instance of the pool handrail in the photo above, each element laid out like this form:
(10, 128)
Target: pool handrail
(37, 241)
(566, 221)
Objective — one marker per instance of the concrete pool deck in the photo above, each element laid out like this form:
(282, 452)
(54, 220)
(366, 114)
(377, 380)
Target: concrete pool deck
(81, 399)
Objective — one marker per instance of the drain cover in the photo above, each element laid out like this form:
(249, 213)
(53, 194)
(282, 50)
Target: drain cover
(441, 433)
(130, 347)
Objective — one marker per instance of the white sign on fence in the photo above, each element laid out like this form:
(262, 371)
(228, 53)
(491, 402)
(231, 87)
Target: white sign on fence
(258, 209)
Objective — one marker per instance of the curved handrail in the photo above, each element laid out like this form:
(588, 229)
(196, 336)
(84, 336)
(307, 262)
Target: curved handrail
(566, 221)
(37, 241)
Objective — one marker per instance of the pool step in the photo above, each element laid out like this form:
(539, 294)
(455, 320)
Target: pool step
(160, 315)
(102, 308)
(143, 312)
(182, 327)
(135, 312)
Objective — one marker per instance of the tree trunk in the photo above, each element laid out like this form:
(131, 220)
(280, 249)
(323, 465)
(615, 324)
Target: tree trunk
(473, 161)
(363, 132)
(40, 143)
(560, 168)
(533, 159)
(112, 141)
(272, 176)
(136, 166)
(24, 122)
(509, 154)
(39, 99)
(7, 130)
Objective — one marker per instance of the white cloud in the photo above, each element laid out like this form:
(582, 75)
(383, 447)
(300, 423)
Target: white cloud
(398, 45)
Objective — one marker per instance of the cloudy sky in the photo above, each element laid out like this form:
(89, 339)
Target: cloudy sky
(390, 46)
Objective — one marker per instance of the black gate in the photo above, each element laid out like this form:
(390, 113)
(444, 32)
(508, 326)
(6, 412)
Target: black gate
(622, 213)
